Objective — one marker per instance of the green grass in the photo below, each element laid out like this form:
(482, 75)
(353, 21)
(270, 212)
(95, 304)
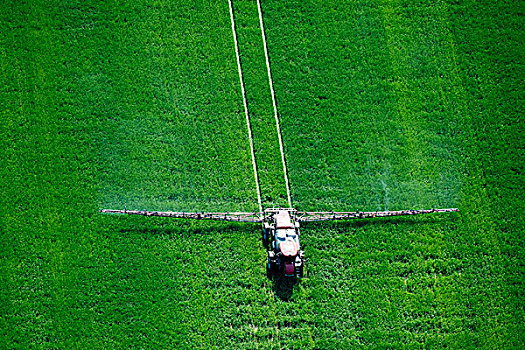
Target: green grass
(366, 102)
(383, 104)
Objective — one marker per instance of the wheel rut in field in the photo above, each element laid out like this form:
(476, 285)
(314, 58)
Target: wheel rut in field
(259, 99)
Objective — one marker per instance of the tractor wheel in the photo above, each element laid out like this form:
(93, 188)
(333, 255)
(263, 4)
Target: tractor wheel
(269, 271)
(299, 265)
(265, 239)
(299, 272)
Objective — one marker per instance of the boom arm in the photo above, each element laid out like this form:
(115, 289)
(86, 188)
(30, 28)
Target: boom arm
(331, 215)
(239, 216)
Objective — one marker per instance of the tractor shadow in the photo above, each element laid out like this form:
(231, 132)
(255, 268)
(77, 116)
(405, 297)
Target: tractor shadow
(185, 230)
(399, 220)
(283, 286)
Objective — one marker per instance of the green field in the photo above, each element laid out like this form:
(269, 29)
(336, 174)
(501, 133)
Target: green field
(384, 105)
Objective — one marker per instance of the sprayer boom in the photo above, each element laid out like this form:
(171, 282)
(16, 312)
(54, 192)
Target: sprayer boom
(346, 215)
(236, 216)
(300, 216)
(280, 229)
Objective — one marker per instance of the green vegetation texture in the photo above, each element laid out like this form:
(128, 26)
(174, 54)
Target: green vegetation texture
(383, 105)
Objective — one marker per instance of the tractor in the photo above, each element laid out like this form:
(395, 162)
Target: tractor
(281, 239)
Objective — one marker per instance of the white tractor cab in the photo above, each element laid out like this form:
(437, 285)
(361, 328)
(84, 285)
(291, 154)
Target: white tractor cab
(281, 239)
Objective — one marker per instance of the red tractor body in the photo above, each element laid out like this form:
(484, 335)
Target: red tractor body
(281, 238)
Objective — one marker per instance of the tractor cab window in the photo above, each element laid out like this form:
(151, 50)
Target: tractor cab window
(281, 235)
(291, 233)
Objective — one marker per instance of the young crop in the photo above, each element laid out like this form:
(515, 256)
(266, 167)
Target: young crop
(383, 105)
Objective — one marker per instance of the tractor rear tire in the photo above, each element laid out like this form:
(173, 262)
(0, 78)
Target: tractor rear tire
(299, 267)
(265, 239)
(299, 273)
(271, 263)
(269, 271)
